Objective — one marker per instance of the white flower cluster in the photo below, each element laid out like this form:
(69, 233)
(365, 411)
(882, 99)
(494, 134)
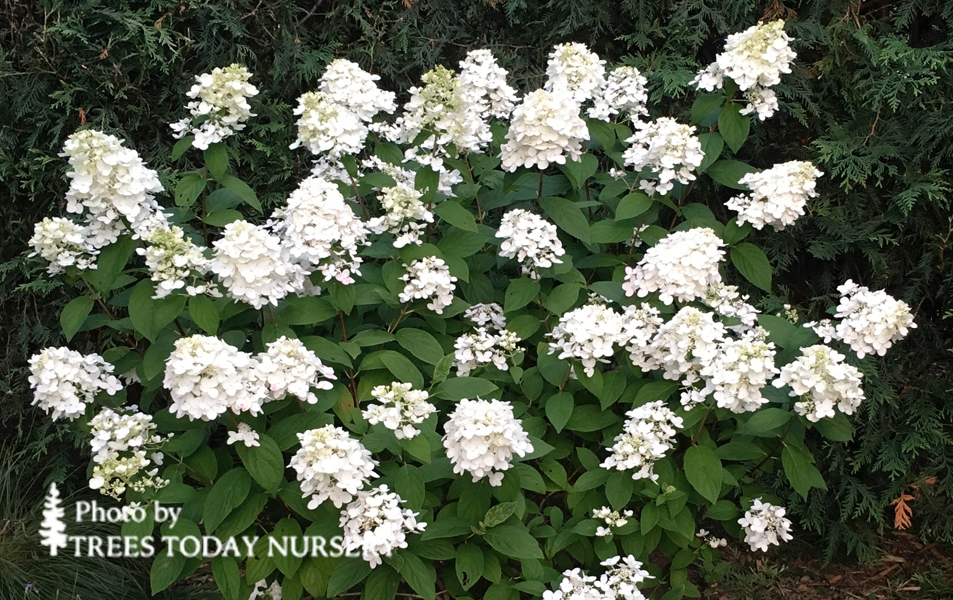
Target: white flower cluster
(546, 128)
(484, 314)
(668, 149)
(728, 302)
(574, 72)
(244, 434)
(254, 266)
(778, 195)
(205, 377)
(375, 524)
(823, 381)
(481, 438)
(261, 592)
(175, 262)
(120, 444)
(740, 369)
(401, 408)
(324, 126)
(331, 465)
(648, 433)
(640, 325)
(65, 381)
(623, 91)
(62, 243)
(348, 85)
(588, 334)
(711, 540)
(428, 278)
(404, 215)
(483, 85)
(871, 321)
(321, 231)
(764, 524)
(221, 106)
(288, 367)
(755, 60)
(682, 266)
(682, 346)
(531, 239)
(613, 520)
(473, 350)
(620, 582)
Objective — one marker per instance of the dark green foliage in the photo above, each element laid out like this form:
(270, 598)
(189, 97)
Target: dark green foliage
(868, 102)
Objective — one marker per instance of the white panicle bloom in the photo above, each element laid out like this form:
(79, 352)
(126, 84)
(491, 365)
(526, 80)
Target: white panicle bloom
(254, 266)
(404, 216)
(221, 97)
(401, 407)
(330, 169)
(765, 525)
(728, 302)
(683, 345)
(65, 381)
(640, 324)
(872, 321)
(446, 177)
(612, 518)
(487, 314)
(621, 581)
(668, 148)
(546, 128)
(483, 85)
(575, 586)
(110, 182)
(648, 433)
(823, 381)
(428, 278)
(740, 370)
(321, 231)
(347, 84)
(711, 540)
(326, 126)
(531, 239)
(62, 243)
(375, 524)
(623, 91)
(245, 434)
(762, 101)
(482, 437)
(589, 334)
(331, 465)
(575, 71)
(290, 368)
(120, 444)
(205, 377)
(824, 328)
(176, 263)
(680, 267)
(260, 592)
(475, 350)
(778, 195)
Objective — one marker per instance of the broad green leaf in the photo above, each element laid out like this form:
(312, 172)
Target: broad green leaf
(421, 344)
(734, 126)
(165, 570)
(74, 315)
(513, 542)
(589, 417)
(837, 428)
(227, 577)
(456, 215)
(227, 494)
(347, 574)
(222, 217)
(740, 451)
(241, 188)
(410, 486)
(579, 171)
(619, 488)
(703, 470)
(705, 109)
(264, 462)
(469, 564)
(562, 298)
(286, 530)
(632, 206)
(112, 260)
(307, 310)
(520, 293)
(422, 578)
(203, 312)
(559, 410)
(381, 584)
(498, 514)
(216, 159)
(189, 188)
(567, 217)
(753, 264)
(150, 316)
(457, 388)
(729, 173)
(399, 366)
(181, 146)
(800, 471)
(723, 510)
(590, 480)
(765, 421)
(712, 145)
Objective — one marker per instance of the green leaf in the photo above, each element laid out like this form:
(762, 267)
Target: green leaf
(285, 531)
(568, 217)
(562, 298)
(519, 293)
(410, 486)
(222, 217)
(729, 172)
(227, 494)
(216, 159)
(650, 517)
(418, 447)
(590, 480)
(241, 188)
(456, 215)
(579, 171)
(632, 206)
(765, 421)
(619, 488)
(739, 451)
(381, 584)
(498, 514)
(513, 542)
(165, 570)
(264, 462)
(421, 344)
(753, 264)
(723, 510)
(307, 310)
(346, 575)
(654, 390)
(837, 428)
(559, 410)
(188, 189)
(589, 417)
(150, 316)
(181, 146)
(112, 260)
(469, 564)
(734, 126)
(401, 368)
(712, 145)
(703, 470)
(203, 312)
(705, 109)
(74, 315)
(227, 577)
(800, 471)
(422, 578)
(457, 388)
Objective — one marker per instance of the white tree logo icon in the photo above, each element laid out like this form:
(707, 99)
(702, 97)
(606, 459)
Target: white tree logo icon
(53, 529)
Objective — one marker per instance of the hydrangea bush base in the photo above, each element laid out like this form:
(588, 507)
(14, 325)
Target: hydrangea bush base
(495, 343)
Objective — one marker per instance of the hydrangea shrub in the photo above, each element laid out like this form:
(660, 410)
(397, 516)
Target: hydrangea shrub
(491, 341)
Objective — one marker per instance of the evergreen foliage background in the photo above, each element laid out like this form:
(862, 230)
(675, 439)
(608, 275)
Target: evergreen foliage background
(869, 103)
